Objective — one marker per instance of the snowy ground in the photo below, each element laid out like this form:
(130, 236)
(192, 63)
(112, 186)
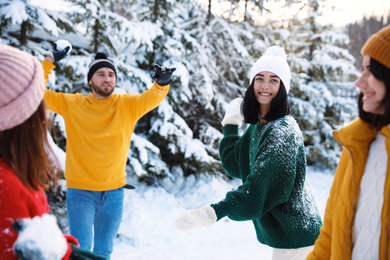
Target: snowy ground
(148, 231)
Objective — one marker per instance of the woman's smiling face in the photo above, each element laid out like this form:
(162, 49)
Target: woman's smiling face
(266, 87)
(373, 90)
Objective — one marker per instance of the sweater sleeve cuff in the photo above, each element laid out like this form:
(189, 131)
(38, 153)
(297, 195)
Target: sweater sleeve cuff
(220, 210)
(161, 90)
(48, 64)
(161, 87)
(70, 240)
(229, 130)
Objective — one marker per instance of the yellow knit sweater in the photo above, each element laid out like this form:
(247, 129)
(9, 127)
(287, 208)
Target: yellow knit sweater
(99, 132)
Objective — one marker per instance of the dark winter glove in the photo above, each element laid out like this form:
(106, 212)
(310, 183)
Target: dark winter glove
(162, 75)
(82, 254)
(39, 238)
(61, 50)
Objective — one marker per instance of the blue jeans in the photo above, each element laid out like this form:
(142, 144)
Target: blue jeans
(97, 215)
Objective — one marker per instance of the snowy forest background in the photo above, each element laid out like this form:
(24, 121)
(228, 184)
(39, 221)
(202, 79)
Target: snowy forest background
(213, 55)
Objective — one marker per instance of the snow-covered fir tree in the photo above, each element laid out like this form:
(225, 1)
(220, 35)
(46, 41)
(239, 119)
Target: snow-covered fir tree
(24, 18)
(323, 92)
(213, 57)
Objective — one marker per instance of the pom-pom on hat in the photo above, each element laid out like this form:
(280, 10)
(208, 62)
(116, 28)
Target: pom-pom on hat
(378, 46)
(100, 61)
(273, 60)
(22, 86)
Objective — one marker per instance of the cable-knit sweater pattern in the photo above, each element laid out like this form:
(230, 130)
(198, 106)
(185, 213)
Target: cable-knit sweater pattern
(365, 234)
(275, 193)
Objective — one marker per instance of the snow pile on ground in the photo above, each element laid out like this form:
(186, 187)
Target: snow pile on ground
(148, 232)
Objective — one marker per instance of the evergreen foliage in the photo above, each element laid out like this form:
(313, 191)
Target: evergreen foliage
(30, 18)
(323, 92)
(213, 58)
(360, 31)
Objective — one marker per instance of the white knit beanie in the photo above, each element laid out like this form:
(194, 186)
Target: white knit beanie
(22, 86)
(273, 60)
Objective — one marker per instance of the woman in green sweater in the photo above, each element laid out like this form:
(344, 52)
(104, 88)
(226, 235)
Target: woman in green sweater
(270, 160)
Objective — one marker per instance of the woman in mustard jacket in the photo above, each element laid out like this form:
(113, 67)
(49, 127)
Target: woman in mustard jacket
(356, 221)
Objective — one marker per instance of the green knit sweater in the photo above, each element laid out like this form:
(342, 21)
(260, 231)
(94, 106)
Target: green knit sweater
(275, 194)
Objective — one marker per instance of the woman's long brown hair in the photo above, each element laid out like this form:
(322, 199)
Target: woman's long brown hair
(27, 149)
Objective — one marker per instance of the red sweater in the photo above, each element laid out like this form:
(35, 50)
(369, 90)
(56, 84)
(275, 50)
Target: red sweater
(16, 202)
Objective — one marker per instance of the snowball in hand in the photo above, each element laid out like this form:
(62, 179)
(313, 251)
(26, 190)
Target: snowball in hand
(40, 238)
(62, 44)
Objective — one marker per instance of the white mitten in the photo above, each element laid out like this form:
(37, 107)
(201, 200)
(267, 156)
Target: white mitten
(39, 238)
(233, 114)
(204, 216)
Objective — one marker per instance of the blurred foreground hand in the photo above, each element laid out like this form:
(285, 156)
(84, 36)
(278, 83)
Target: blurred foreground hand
(204, 216)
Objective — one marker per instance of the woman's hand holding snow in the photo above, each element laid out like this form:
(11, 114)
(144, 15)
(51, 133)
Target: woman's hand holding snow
(204, 216)
(162, 75)
(233, 114)
(39, 238)
(62, 49)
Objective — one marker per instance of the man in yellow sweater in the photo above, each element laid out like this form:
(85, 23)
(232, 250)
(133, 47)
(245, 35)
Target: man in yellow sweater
(98, 130)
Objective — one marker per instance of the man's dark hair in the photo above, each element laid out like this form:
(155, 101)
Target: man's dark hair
(251, 109)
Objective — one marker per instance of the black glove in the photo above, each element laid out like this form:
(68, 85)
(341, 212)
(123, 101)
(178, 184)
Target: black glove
(59, 55)
(82, 254)
(162, 75)
(61, 50)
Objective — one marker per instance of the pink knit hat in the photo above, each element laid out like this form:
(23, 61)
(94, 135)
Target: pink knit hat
(22, 86)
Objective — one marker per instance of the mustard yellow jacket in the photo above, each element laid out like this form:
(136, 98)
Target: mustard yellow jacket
(335, 239)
